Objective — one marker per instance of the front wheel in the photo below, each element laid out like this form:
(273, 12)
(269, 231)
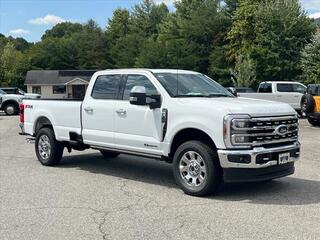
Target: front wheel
(48, 150)
(196, 168)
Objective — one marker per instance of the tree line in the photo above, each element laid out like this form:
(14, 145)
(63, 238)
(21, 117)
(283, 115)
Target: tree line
(236, 42)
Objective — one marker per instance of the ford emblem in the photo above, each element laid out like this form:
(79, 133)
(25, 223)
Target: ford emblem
(281, 130)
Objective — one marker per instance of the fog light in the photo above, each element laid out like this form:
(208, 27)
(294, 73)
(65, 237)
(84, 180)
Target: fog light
(239, 158)
(241, 139)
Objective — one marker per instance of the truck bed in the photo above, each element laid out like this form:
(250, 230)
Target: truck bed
(64, 115)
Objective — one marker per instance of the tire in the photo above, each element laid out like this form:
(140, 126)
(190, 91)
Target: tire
(48, 150)
(310, 103)
(109, 154)
(11, 109)
(196, 168)
(314, 122)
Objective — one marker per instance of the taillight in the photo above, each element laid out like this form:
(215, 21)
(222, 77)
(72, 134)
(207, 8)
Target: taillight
(22, 107)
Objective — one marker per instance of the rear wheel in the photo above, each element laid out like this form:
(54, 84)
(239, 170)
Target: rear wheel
(196, 168)
(11, 109)
(109, 154)
(314, 122)
(48, 150)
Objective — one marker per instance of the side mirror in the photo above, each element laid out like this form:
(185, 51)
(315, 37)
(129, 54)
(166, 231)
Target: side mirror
(155, 102)
(233, 91)
(138, 96)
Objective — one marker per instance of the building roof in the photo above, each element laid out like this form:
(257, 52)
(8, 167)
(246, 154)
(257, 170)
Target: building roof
(56, 77)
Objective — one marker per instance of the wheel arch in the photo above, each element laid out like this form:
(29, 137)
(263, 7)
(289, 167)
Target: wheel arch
(42, 122)
(188, 134)
(14, 102)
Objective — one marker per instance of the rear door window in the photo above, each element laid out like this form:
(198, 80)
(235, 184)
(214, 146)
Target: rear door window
(265, 88)
(284, 87)
(106, 87)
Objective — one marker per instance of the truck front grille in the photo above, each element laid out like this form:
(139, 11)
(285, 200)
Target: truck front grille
(266, 131)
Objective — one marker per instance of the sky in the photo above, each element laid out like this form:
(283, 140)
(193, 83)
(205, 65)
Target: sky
(31, 18)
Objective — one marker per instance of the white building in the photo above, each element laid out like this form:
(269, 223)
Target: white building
(58, 83)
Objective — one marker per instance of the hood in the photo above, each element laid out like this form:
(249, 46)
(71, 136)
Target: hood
(32, 95)
(12, 96)
(253, 107)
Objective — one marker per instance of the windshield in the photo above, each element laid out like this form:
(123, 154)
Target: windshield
(21, 92)
(2, 92)
(191, 85)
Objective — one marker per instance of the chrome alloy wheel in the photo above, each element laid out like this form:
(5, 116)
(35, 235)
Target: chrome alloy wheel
(10, 110)
(192, 169)
(44, 147)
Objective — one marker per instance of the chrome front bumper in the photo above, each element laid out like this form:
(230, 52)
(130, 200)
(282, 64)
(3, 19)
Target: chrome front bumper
(226, 155)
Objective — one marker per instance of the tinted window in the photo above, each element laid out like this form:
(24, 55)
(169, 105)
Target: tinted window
(106, 87)
(59, 89)
(265, 88)
(283, 87)
(287, 87)
(191, 85)
(138, 80)
(36, 89)
(10, 90)
(299, 88)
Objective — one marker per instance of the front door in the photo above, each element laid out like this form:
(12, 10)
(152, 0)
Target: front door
(137, 128)
(98, 111)
(78, 91)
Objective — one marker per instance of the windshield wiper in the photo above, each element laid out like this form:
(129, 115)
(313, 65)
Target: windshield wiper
(203, 95)
(218, 95)
(191, 95)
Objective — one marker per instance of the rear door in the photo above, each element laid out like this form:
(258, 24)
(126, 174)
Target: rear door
(98, 111)
(137, 128)
(290, 93)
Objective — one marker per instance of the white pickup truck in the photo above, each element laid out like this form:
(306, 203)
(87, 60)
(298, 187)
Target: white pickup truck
(182, 117)
(287, 92)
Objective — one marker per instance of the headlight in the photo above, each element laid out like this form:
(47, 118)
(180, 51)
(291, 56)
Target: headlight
(235, 129)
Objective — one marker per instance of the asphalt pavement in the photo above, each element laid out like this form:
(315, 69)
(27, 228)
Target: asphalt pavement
(89, 197)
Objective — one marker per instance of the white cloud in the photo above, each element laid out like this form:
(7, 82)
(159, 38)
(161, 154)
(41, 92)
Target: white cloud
(49, 19)
(315, 15)
(19, 32)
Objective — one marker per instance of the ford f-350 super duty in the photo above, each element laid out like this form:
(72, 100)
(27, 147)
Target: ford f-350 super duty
(182, 117)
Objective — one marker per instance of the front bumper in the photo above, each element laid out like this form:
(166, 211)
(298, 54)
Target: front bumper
(257, 164)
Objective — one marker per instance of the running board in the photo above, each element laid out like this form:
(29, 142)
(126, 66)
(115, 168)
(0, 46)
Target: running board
(135, 153)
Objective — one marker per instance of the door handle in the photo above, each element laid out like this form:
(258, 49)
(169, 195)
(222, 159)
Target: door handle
(88, 109)
(121, 112)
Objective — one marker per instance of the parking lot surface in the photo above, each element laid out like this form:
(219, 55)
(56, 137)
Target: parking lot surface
(89, 197)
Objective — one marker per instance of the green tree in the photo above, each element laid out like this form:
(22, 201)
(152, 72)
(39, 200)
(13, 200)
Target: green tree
(13, 66)
(272, 33)
(244, 72)
(54, 53)
(62, 29)
(310, 61)
(91, 47)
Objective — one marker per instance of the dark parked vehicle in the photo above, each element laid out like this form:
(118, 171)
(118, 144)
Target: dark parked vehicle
(310, 104)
